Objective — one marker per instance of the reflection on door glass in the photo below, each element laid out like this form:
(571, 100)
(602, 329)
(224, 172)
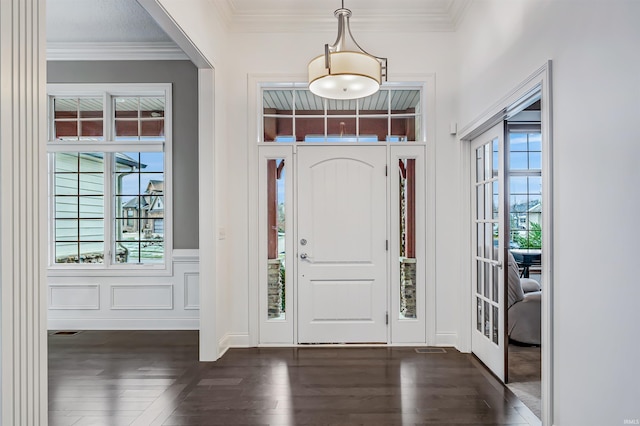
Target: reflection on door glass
(487, 322)
(407, 170)
(276, 282)
(479, 315)
(495, 325)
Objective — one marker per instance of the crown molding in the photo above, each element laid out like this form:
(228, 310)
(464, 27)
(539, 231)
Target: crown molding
(99, 51)
(457, 11)
(437, 19)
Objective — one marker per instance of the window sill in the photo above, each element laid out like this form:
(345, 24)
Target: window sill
(142, 271)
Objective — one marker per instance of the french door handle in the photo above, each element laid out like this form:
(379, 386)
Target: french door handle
(303, 256)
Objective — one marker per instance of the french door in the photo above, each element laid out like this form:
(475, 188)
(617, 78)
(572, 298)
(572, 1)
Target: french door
(488, 235)
(342, 244)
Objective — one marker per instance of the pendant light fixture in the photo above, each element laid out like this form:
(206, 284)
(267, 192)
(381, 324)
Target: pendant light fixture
(345, 70)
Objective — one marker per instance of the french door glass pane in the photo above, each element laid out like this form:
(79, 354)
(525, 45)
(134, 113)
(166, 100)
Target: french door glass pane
(496, 325)
(479, 314)
(487, 319)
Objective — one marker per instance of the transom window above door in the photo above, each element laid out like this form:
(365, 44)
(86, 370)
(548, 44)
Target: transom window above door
(294, 114)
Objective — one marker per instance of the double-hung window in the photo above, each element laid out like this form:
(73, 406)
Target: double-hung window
(109, 176)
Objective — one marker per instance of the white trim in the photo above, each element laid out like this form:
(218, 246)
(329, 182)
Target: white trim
(207, 180)
(540, 80)
(23, 219)
(186, 255)
(107, 91)
(186, 306)
(95, 306)
(115, 287)
(446, 339)
(440, 19)
(234, 340)
(160, 323)
(112, 89)
(509, 104)
(173, 30)
(114, 51)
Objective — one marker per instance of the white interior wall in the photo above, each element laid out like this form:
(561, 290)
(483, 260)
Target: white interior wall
(202, 25)
(288, 54)
(593, 46)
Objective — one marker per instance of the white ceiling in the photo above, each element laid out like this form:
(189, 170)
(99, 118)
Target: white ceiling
(86, 25)
(93, 21)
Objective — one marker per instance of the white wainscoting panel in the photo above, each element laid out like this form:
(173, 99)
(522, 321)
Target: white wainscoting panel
(74, 296)
(142, 296)
(191, 291)
(81, 301)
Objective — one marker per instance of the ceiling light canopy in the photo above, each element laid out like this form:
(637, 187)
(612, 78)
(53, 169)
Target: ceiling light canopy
(345, 70)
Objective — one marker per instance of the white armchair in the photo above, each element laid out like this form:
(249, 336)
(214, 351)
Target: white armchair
(524, 306)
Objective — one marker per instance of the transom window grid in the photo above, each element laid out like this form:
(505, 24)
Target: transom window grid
(107, 118)
(296, 115)
(139, 108)
(78, 118)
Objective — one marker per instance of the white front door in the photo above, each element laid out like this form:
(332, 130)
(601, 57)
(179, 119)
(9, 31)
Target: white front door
(342, 244)
(488, 335)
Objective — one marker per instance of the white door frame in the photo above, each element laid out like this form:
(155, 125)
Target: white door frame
(537, 84)
(402, 331)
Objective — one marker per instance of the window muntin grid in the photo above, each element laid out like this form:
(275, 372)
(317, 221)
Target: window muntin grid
(297, 115)
(85, 225)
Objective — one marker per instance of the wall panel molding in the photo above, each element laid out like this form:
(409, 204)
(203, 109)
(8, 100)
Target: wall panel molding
(191, 291)
(23, 226)
(74, 296)
(141, 296)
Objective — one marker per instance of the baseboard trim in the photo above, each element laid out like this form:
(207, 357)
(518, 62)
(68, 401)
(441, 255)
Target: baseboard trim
(124, 324)
(232, 340)
(446, 339)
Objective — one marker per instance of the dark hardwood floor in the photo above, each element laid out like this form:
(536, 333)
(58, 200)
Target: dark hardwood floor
(153, 378)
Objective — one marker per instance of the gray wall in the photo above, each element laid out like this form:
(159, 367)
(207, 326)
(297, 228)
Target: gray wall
(184, 76)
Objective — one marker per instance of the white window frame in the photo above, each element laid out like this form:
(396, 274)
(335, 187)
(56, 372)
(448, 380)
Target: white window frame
(110, 145)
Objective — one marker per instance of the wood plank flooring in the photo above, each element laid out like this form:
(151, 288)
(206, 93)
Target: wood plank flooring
(148, 378)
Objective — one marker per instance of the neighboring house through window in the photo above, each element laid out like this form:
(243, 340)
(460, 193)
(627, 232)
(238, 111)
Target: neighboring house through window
(109, 162)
